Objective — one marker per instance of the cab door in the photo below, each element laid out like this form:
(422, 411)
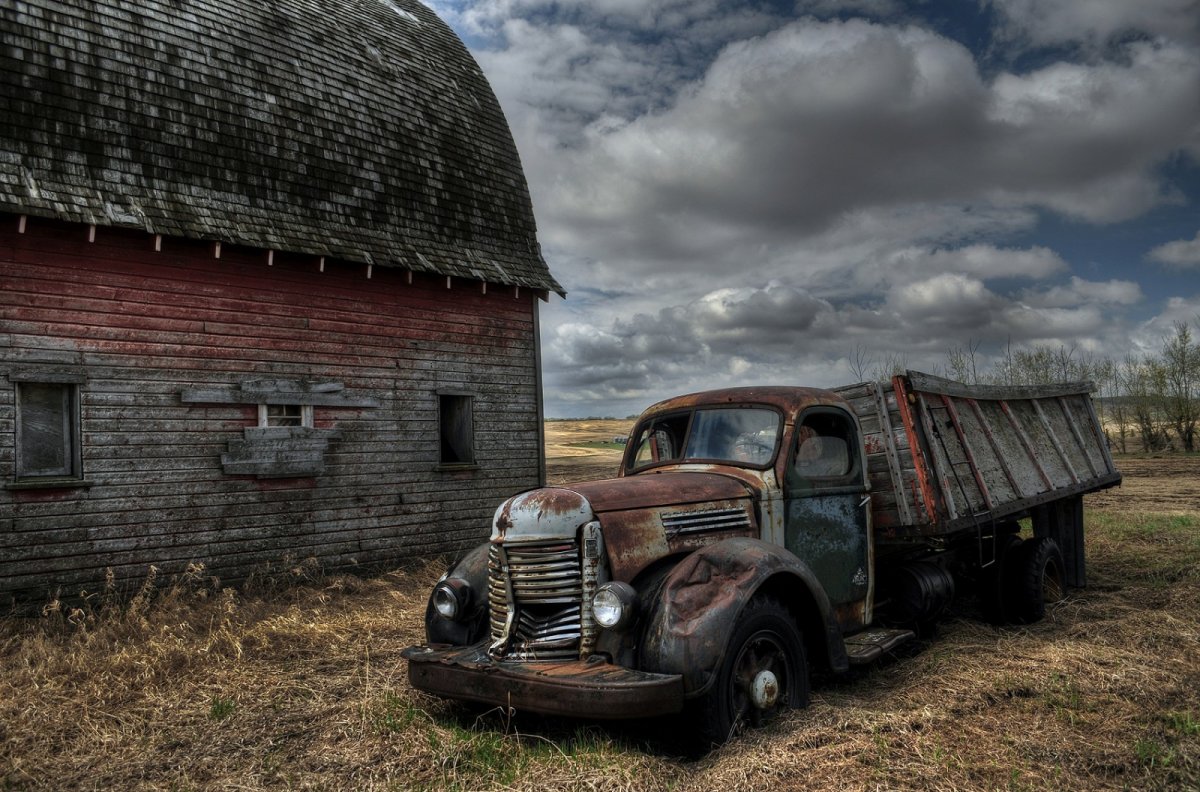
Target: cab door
(828, 511)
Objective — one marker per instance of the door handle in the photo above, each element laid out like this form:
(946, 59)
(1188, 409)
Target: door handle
(866, 499)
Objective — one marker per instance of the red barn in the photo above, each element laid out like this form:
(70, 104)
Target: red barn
(269, 284)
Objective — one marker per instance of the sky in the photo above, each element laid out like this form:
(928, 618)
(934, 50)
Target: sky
(737, 193)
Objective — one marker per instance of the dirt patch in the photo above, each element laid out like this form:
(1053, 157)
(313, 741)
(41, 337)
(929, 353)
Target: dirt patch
(1168, 483)
(569, 459)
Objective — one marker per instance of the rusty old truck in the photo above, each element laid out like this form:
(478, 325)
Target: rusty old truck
(752, 533)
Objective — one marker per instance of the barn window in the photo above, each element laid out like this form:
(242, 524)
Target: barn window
(457, 429)
(47, 431)
(285, 415)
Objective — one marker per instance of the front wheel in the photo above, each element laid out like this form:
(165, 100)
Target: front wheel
(764, 671)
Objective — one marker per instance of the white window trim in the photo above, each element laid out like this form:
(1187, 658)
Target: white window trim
(306, 416)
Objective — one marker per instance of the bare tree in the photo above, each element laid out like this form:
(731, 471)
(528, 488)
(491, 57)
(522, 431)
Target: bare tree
(1111, 405)
(868, 366)
(1180, 373)
(962, 362)
(1142, 381)
(1041, 365)
(861, 363)
(890, 365)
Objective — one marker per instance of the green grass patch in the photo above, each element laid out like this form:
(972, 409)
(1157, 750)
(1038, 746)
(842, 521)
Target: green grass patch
(476, 756)
(1185, 723)
(395, 715)
(220, 708)
(1157, 550)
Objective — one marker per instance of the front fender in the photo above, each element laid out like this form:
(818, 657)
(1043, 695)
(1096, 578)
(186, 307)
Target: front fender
(704, 595)
(471, 568)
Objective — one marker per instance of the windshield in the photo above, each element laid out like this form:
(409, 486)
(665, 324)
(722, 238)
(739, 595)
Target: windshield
(739, 436)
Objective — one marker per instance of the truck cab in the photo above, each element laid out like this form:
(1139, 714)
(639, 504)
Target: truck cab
(614, 598)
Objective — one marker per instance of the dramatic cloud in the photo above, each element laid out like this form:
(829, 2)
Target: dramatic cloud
(737, 191)
(788, 133)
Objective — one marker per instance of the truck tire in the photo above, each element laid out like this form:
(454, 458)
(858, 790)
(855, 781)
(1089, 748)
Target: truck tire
(764, 672)
(1035, 580)
(992, 582)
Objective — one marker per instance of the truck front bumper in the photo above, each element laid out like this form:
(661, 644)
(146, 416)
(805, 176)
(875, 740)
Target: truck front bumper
(593, 688)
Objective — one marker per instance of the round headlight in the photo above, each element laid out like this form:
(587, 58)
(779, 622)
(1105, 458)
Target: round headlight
(451, 598)
(614, 605)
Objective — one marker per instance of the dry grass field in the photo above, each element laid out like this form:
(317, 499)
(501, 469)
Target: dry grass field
(295, 681)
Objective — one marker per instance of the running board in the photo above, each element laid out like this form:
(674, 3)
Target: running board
(867, 646)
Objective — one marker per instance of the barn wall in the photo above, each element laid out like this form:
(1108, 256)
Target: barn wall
(145, 326)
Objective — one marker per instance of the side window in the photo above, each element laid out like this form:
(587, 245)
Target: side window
(826, 446)
(660, 441)
(47, 431)
(456, 426)
(285, 415)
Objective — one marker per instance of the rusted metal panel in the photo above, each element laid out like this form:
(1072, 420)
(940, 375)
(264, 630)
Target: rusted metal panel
(547, 513)
(646, 491)
(637, 538)
(593, 687)
(705, 593)
(923, 497)
(938, 456)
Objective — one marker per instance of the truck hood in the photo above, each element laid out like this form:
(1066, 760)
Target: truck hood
(557, 512)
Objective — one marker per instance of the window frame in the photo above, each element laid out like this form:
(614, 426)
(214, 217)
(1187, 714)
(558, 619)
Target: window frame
(631, 467)
(71, 474)
(852, 479)
(468, 399)
(264, 419)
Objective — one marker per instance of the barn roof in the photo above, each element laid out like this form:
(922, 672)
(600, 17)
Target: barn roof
(356, 129)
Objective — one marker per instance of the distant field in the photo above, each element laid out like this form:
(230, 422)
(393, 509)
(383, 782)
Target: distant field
(296, 683)
(583, 450)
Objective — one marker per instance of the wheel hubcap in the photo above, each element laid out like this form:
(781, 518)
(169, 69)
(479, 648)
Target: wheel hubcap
(762, 674)
(765, 690)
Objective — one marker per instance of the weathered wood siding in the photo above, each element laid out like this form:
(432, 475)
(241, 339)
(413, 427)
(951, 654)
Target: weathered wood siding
(145, 326)
(983, 452)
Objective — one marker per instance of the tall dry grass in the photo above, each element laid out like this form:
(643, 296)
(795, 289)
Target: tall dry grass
(294, 681)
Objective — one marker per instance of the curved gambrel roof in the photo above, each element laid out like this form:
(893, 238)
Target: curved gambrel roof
(356, 129)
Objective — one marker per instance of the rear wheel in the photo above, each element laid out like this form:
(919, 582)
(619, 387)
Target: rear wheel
(764, 672)
(992, 581)
(1034, 580)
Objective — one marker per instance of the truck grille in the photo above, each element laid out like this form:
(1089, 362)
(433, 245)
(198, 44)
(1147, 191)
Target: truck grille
(706, 520)
(542, 620)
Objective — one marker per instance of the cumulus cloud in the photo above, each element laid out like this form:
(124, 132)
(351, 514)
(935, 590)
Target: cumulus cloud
(788, 133)
(1180, 254)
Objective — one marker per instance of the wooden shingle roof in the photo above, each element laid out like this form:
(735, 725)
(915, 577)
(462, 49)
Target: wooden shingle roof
(356, 129)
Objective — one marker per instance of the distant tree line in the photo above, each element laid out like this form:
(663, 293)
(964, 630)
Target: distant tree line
(1146, 402)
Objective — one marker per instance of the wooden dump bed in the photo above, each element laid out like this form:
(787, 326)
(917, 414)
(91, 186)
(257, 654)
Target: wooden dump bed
(943, 456)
